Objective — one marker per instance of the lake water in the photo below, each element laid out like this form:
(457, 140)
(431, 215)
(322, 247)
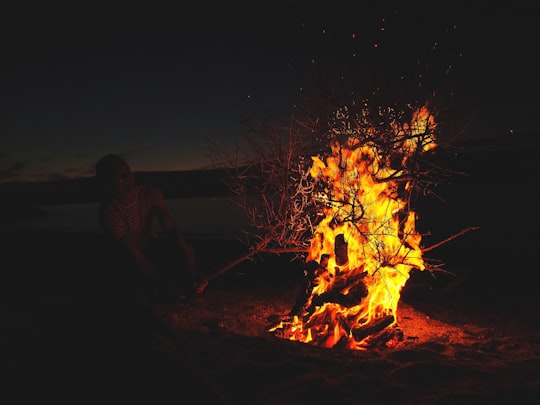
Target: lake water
(216, 216)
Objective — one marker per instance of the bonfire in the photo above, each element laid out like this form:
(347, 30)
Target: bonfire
(364, 248)
(349, 212)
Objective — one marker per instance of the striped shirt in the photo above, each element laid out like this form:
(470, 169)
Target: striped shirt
(137, 219)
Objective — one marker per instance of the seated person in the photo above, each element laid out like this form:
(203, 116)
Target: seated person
(156, 267)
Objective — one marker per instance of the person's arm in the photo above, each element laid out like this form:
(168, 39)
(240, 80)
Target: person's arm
(143, 263)
(172, 231)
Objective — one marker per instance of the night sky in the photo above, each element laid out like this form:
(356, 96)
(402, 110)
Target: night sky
(157, 86)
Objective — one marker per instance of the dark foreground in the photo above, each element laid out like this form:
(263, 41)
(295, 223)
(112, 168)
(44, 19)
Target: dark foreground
(66, 337)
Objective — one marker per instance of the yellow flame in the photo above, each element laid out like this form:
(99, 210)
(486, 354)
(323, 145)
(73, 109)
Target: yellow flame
(364, 209)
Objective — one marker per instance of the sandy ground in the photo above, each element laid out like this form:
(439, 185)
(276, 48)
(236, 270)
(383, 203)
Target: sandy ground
(67, 338)
(448, 353)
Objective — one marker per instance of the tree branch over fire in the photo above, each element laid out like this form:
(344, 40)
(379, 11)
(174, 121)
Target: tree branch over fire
(271, 174)
(336, 187)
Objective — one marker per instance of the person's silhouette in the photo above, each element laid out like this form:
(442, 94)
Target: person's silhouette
(159, 265)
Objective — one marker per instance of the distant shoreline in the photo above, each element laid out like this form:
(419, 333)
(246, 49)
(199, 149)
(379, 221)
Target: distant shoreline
(181, 184)
(198, 217)
(473, 153)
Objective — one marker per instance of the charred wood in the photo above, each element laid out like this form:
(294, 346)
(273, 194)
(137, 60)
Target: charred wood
(372, 328)
(312, 269)
(341, 250)
(345, 300)
(386, 338)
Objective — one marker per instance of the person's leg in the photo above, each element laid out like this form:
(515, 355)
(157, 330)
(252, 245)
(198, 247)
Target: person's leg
(173, 265)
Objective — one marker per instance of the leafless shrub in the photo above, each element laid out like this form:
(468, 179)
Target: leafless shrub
(269, 174)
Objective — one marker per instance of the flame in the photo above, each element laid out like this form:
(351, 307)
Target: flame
(366, 244)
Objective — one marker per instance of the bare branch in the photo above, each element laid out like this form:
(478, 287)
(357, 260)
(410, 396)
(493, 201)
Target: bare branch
(271, 170)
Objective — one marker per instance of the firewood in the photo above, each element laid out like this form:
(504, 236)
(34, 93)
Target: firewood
(341, 250)
(384, 338)
(307, 286)
(372, 328)
(334, 297)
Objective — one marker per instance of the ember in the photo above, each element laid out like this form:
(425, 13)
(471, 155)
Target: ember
(366, 244)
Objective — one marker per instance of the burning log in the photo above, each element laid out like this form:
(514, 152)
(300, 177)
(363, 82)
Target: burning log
(334, 297)
(355, 288)
(356, 291)
(340, 250)
(311, 272)
(372, 328)
(389, 337)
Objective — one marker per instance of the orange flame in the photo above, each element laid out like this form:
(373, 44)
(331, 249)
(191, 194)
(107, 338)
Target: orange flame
(366, 245)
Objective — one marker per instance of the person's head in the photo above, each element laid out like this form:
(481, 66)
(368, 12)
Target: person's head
(115, 174)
